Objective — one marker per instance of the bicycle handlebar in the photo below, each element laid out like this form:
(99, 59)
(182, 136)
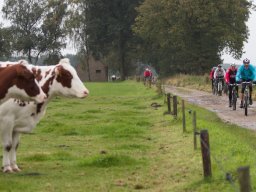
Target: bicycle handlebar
(247, 83)
(233, 84)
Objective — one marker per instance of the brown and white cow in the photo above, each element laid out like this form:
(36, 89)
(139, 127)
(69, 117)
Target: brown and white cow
(18, 117)
(18, 81)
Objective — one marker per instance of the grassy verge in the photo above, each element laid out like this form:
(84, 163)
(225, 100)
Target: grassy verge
(115, 141)
(191, 81)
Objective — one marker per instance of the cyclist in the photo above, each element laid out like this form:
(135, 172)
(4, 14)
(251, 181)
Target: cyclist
(230, 78)
(246, 73)
(219, 74)
(147, 75)
(211, 76)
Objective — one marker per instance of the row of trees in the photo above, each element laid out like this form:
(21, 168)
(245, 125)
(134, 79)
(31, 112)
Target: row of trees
(173, 36)
(190, 35)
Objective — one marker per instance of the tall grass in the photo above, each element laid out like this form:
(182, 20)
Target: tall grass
(115, 141)
(200, 82)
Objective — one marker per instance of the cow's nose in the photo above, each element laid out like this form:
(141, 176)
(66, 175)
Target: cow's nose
(86, 92)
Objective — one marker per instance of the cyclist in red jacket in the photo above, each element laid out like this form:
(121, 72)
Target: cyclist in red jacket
(147, 74)
(230, 78)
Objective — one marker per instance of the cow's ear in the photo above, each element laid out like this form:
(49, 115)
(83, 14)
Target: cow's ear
(21, 71)
(23, 62)
(18, 69)
(34, 71)
(58, 71)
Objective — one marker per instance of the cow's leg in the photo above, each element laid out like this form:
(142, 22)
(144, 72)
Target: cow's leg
(15, 144)
(7, 145)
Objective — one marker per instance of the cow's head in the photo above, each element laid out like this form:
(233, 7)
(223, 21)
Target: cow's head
(24, 86)
(67, 82)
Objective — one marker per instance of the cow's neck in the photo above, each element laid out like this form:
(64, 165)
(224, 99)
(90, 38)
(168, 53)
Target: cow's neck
(8, 75)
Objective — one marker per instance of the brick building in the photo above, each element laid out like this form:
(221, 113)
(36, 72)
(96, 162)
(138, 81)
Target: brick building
(98, 71)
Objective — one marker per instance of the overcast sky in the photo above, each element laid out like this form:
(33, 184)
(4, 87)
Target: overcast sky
(249, 47)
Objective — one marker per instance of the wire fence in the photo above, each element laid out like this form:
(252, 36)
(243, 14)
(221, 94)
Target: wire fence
(244, 178)
(229, 177)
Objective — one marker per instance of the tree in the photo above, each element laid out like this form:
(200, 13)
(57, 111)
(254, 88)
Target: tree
(37, 26)
(5, 42)
(104, 30)
(190, 35)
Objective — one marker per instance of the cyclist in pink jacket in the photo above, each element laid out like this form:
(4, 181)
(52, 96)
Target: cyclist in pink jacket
(230, 78)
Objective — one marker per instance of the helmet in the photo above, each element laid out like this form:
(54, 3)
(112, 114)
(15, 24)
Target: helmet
(246, 61)
(219, 65)
(233, 65)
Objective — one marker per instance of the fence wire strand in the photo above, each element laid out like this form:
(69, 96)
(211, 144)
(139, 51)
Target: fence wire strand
(218, 162)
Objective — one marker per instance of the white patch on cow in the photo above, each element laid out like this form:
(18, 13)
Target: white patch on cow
(6, 63)
(77, 87)
(15, 92)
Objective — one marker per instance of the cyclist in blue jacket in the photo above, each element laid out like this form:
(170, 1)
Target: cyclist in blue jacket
(246, 73)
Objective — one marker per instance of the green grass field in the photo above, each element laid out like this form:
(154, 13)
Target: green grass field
(115, 141)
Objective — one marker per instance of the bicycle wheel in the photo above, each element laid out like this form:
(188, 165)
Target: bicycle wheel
(215, 89)
(234, 99)
(246, 98)
(219, 88)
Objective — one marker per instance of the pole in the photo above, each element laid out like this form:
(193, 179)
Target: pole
(205, 149)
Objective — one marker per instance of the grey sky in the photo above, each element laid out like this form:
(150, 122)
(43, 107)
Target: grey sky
(249, 47)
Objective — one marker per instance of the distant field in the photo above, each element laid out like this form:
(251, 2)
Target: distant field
(115, 141)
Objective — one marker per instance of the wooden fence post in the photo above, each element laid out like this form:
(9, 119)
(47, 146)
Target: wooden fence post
(169, 102)
(163, 92)
(175, 105)
(244, 179)
(183, 116)
(195, 130)
(205, 149)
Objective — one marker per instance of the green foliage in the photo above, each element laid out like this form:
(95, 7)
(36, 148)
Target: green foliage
(37, 26)
(6, 37)
(190, 35)
(103, 28)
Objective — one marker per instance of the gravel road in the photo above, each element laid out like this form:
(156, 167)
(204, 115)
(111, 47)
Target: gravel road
(217, 104)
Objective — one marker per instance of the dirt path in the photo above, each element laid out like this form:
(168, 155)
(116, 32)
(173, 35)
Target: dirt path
(218, 104)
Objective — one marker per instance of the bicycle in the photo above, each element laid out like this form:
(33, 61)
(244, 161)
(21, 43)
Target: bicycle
(147, 81)
(214, 90)
(219, 86)
(246, 97)
(234, 95)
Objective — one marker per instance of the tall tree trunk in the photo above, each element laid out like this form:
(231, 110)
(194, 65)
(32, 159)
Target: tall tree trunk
(88, 65)
(29, 56)
(121, 56)
(87, 52)
(122, 65)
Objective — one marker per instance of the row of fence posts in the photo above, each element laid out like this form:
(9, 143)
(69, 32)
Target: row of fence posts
(243, 172)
